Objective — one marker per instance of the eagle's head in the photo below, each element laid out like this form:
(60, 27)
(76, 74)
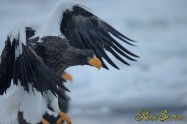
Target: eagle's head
(75, 56)
(58, 54)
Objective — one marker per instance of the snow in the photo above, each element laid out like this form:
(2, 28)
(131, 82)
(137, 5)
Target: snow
(157, 80)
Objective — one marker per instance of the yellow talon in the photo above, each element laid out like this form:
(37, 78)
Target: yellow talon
(44, 121)
(67, 76)
(64, 117)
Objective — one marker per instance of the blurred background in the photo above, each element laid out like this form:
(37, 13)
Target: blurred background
(157, 81)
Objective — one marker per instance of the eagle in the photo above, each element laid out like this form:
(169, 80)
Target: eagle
(33, 67)
(34, 77)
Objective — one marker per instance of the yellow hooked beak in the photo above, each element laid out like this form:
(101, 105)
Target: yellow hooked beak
(95, 62)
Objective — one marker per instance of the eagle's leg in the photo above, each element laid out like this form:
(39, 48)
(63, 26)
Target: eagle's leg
(67, 76)
(44, 121)
(63, 117)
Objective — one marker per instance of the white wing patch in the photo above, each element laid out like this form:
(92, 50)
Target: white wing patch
(85, 7)
(52, 26)
(31, 106)
(18, 33)
(10, 104)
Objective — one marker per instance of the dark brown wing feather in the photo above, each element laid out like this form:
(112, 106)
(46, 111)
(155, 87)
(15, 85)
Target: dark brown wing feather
(27, 68)
(86, 31)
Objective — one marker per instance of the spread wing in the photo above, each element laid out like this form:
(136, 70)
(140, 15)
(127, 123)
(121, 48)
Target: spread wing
(20, 64)
(86, 31)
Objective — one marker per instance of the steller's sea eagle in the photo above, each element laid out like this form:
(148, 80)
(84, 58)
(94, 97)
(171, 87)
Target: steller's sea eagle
(70, 25)
(22, 65)
(85, 30)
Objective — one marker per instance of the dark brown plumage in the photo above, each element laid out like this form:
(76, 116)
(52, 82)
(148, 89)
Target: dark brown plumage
(27, 68)
(58, 54)
(84, 30)
(45, 61)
